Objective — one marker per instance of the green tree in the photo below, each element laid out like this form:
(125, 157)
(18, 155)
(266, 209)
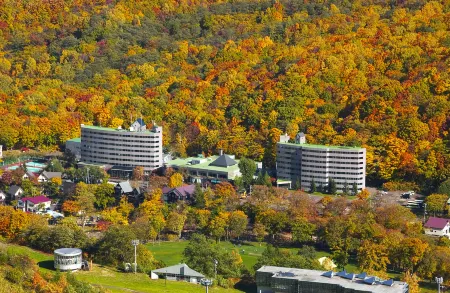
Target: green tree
(332, 189)
(313, 188)
(104, 195)
(263, 179)
(354, 188)
(237, 223)
(175, 223)
(436, 203)
(274, 256)
(346, 189)
(444, 188)
(115, 248)
(198, 197)
(201, 253)
(247, 168)
(302, 230)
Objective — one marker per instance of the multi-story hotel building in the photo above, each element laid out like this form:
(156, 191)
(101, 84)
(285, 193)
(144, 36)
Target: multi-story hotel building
(304, 162)
(136, 146)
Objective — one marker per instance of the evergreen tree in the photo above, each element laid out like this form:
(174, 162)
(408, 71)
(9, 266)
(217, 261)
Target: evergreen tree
(297, 184)
(263, 179)
(332, 189)
(198, 197)
(354, 188)
(346, 188)
(320, 189)
(313, 186)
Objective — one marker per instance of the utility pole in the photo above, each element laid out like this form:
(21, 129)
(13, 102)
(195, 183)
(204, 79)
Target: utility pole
(424, 211)
(439, 281)
(135, 243)
(87, 178)
(215, 268)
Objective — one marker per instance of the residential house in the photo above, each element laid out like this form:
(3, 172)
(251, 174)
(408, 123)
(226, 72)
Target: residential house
(15, 192)
(3, 196)
(179, 193)
(179, 272)
(125, 189)
(437, 227)
(48, 176)
(29, 175)
(34, 204)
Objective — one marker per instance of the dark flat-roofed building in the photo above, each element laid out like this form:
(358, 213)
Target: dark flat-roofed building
(271, 279)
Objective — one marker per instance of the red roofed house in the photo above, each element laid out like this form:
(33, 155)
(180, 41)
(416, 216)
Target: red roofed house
(437, 227)
(34, 204)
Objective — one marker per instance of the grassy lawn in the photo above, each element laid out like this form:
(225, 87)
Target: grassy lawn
(171, 253)
(116, 282)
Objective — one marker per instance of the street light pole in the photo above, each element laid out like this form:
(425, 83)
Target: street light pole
(424, 211)
(439, 281)
(135, 243)
(215, 268)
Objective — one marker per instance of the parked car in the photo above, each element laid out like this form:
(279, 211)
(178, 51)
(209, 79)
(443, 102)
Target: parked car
(407, 194)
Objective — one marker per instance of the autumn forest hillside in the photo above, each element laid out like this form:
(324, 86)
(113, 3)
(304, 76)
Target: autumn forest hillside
(235, 74)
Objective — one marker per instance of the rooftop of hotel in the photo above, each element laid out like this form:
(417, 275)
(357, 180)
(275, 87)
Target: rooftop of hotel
(360, 282)
(321, 146)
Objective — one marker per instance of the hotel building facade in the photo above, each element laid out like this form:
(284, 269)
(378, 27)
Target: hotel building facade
(304, 162)
(136, 146)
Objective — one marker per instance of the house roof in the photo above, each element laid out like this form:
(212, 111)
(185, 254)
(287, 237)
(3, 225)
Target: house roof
(438, 223)
(223, 161)
(13, 189)
(140, 121)
(36, 200)
(179, 269)
(183, 190)
(125, 186)
(50, 175)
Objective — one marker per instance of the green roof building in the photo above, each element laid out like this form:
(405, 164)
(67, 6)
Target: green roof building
(215, 168)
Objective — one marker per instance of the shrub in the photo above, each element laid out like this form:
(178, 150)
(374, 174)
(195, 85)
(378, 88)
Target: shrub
(400, 185)
(14, 275)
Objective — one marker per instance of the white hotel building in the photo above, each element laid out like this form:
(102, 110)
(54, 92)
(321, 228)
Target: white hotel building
(305, 162)
(123, 149)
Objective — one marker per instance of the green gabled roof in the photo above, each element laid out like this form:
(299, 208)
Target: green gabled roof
(206, 165)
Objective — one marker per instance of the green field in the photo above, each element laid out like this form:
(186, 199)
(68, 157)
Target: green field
(118, 282)
(172, 252)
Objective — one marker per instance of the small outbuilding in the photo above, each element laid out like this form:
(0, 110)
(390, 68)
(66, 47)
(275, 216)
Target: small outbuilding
(68, 259)
(179, 272)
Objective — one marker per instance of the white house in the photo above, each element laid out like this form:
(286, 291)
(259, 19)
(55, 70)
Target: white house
(28, 175)
(15, 192)
(437, 227)
(47, 176)
(179, 272)
(2, 196)
(34, 204)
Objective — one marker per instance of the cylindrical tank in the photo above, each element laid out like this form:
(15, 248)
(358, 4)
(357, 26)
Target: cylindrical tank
(68, 259)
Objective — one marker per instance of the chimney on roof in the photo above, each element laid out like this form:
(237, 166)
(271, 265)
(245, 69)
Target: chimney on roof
(220, 152)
